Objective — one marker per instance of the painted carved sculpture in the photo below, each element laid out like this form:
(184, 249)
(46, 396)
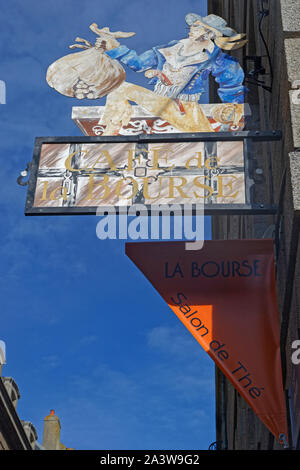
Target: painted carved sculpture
(91, 73)
(177, 71)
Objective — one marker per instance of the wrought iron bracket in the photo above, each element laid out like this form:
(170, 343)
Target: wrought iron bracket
(217, 445)
(24, 174)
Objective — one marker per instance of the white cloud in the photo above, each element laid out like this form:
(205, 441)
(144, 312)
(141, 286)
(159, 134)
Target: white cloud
(52, 361)
(86, 340)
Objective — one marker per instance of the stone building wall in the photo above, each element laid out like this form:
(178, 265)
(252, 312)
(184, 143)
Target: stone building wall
(13, 434)
(237, 426)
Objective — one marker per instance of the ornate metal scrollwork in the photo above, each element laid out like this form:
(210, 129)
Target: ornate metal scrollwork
(217, 445)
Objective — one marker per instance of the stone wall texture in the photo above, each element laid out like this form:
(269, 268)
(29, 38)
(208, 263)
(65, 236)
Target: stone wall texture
(237, 426)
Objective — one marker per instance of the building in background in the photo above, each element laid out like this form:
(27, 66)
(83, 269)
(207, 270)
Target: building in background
(15, 434)
(272, 65)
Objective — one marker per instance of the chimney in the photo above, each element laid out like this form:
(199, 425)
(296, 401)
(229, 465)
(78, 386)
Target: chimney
(51, 436)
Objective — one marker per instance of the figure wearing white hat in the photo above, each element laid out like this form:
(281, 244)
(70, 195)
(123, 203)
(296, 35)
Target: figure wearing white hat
(179, 73)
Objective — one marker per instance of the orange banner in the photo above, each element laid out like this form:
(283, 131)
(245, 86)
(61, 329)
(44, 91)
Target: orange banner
(225, 295)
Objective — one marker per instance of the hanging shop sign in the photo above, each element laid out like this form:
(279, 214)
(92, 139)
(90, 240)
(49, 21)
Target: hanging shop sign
(78, 175)
(225, 296)
(156, 145)
(177, 72)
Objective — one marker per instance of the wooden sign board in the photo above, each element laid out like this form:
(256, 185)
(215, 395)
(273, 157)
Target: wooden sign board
(76, 175)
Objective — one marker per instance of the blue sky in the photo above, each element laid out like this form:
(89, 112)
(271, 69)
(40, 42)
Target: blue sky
(86, 334)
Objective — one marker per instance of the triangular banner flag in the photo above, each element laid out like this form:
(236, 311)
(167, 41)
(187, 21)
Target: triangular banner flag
(225, 295)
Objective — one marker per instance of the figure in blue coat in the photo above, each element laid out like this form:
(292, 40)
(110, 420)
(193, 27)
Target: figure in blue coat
(179, 73)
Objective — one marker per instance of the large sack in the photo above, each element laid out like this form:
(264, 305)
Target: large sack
(87, 74)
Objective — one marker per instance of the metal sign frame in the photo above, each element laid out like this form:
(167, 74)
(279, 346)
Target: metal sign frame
(248, 137)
